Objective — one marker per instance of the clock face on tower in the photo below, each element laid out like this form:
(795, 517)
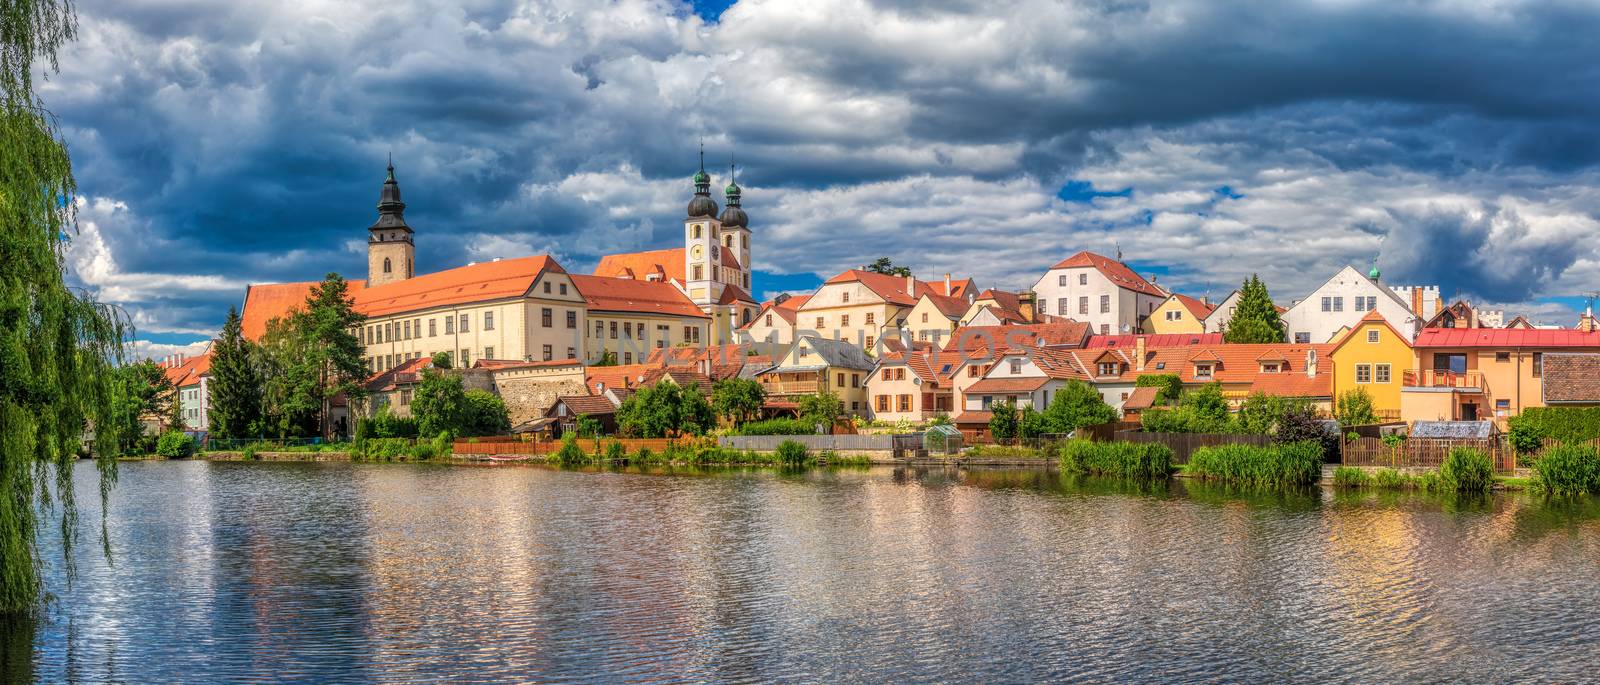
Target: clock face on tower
(696, 252)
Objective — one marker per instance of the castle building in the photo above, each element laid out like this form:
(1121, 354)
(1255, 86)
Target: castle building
(713, 268)
(391, 251)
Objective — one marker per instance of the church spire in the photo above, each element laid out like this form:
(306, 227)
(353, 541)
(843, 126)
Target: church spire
(702, 204)
(391, 210)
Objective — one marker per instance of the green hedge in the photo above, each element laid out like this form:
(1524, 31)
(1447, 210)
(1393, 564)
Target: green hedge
(1298, 463)
(1569, 470)
(175, 445)
(1130, 459)
(1567, 424)
(778, 427)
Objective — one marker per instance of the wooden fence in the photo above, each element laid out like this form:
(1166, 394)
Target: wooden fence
(1424, 452)
(1184, 444)
(503, 446)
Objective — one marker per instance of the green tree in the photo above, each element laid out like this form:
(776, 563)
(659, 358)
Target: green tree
(1261, 413)
(738, 399)
(440, 403)
(1205, 409)
(329, 323)
(1077, 405)
(440, 360)
(664, 409)
(1171, 387)
(1255, 318)
(822, 407)
(1355, 408)
(587, 426)
(59, 349)
(235, 386)
(485, 414)
(884, 265)
(145, 392)
(1003, 422)
(291, 396)
(1032, 424)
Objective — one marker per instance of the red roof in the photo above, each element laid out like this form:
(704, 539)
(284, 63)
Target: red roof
(1119, 273)
(788, 309)
(893, 288)
(1241, 365)
(503, 364)
(1006, 385)
(267, 301)
(1154, 340)
(615, 376)
(664, 264)
(472, 283)
(1198, 309)
(628, 295)
(1572, 378)
(407, 372)
(584, 404)
(1505, 337)
(189, 371)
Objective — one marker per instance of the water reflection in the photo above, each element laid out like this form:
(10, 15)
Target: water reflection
(409, 573)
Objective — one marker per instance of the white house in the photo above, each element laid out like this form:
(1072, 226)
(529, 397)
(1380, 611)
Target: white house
(1340, 303)
(1217, 322)
(1099, 291)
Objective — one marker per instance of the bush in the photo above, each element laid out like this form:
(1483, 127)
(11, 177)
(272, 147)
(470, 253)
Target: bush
(1171, 386)
(643, 456)
(484, 413)
(385, 449)
(385, 424)
(1300, 424)
(615, 452)
(1467, 470)
(441, 444)
(1350, 477)
(421, 451)
(778, 427)
(175, 445)
(1566, 470)
(570, 453)
(1298, 463)
(1128, 459)
(792, 453)
(1003, 423)
(1389, 478)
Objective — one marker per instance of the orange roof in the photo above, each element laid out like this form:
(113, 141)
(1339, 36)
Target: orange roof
(1152, 340)
(267, 301)
(1198, 309)
(407, 372)
(1119, 273)
(189, 371)
(664, 264)
(732, 293)
(974, 341)
(606, 294)
(1006, 385)
(788, 309)
(462, 285)
(893, 288)
(918, 360)
(1241, 365)
(615, 376)
(951, 307)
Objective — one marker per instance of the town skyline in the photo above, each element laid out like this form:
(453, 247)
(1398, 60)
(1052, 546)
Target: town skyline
(225, 154)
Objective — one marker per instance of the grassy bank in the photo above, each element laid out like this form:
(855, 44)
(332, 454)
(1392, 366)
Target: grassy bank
(1298, 463)
(1126, 459)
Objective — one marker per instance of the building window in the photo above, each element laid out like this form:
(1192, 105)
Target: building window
(387, 268)
(1363, 373)
(1105, 329)
(1109, 368)
(405, 397)
(1372, 336)
(883, 402)
(1372, 303)
(572, 319)
(1083, 279)
(1383, 373)
(839, 379)
(1361, 304)
(572, 353)
(488, 352)
(599, 329)
(820, 323)
(869, 342)
(1327, 304)
(563, 287)
(1269, 368)
(870, 317)
(549, 353)
(1083, 305)
(769, 319)
(546, 319)
(1061, 281)
(613, 328)
(1338, 304)
(1202, 370)
(1302, 338)
(1105, 304)
(1061, 307)
(1016, 366)
(855, 380)
(844, 297)
(466, 358)
(433, 327)
(547, 287)
(699, 273)
(924, 317)
(462, 325)
(694, 230)
(1538, 364)
(905, 403)
(488, 320)
(627, 330)
(1502, 356)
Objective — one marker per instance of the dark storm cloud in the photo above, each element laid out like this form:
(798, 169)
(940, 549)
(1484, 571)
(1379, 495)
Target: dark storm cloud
(236, 132)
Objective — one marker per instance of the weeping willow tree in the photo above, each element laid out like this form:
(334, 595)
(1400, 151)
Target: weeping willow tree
(58, 348)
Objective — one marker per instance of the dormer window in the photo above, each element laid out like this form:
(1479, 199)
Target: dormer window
(1110, 369)
(1202, 370)
(1271, 367)
(1016, 367)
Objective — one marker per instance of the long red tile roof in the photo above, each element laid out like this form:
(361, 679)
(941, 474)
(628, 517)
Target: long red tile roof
(605, 294)
(664, 264)
(1119, 274)
(1505, 337)
(893, 289)
(1154, 340)
(267, 301)
(480, 282)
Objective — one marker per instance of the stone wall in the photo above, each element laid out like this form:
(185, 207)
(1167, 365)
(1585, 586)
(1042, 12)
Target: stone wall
(528, 398)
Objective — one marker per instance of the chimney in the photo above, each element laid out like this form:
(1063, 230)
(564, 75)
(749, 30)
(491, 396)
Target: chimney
(1416, 302)
(947, 292)
(1205, 300)
(1472, 316)
(911, 286)
(1138, 353)
(1311, 363)
(1025, 306)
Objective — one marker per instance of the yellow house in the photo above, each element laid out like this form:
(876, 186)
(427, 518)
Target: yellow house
(1179, 314)
(935, 317)
(1375, 357)
(815, 364)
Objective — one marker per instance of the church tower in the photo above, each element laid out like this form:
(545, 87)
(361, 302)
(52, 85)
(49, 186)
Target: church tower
(736, 232)
(702, 242)
(390, 248)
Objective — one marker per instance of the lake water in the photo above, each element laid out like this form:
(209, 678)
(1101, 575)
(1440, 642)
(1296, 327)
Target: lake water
(255, 572)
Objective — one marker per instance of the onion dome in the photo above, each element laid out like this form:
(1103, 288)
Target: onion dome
(702, 204)
(733, 215)
(1374, 274)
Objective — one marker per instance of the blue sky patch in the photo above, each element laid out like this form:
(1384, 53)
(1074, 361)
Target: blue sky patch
(1083, 191)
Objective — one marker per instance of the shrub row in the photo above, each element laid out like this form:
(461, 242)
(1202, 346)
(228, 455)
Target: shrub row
(778, 427)
(789, 453)
(1569, 470)
(1566, 424)
(1296, 463)
(1128, 459)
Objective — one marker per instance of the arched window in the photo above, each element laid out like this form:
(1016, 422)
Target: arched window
(747, 316)
(387, 268)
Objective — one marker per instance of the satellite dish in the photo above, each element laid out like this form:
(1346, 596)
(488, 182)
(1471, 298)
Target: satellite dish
(916, 381)
(1125, 329)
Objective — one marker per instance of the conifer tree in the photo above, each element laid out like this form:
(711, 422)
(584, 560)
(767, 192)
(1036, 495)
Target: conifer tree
(328, 325)
(1255, 318)
(235, 383)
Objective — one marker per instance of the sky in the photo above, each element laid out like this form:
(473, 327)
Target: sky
(222, 144)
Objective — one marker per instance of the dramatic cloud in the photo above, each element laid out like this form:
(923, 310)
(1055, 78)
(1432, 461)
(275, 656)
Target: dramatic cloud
(225, 143)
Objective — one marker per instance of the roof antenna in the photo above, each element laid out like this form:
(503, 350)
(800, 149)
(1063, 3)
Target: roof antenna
(702, 153)
(1119, 250)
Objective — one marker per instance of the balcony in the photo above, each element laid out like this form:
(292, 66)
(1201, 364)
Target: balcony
(791, 387)
(1470, 381)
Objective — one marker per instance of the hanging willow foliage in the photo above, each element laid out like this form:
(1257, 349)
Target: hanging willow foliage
(58, 348)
